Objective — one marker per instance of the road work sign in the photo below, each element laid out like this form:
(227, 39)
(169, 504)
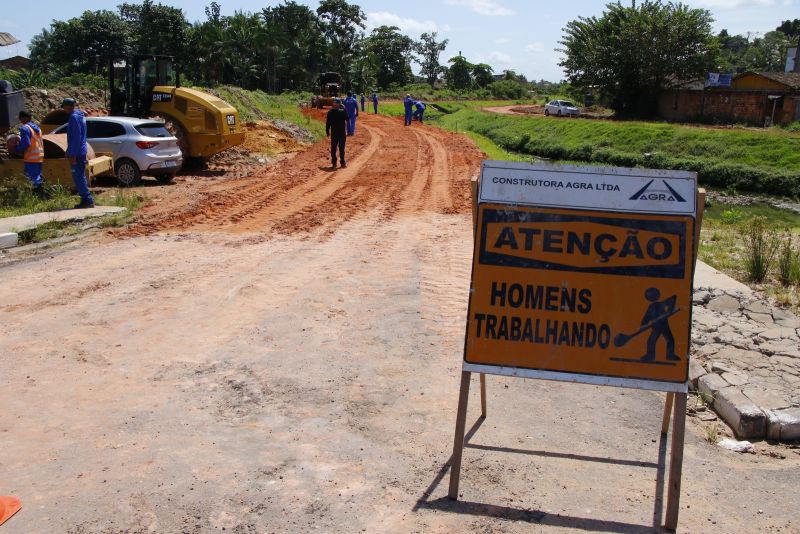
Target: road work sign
(583, 274)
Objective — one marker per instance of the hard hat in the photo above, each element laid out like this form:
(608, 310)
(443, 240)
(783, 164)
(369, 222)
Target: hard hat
(68, 102)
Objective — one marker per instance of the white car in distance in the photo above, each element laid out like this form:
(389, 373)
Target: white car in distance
(561, 108)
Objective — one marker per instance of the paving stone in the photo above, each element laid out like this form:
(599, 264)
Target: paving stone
(783, 425)
(721, 367)
(786, 318)
(696, 370)
(736, 378)
(710, 384)
(759, 306)
(784, 360)
(767, 399)
(781, 347)
(779, 333)
(709, 321)
(723, 304)
(763, 318)
(709, 349)
(740, 357)
(701, 296)
(746, 419)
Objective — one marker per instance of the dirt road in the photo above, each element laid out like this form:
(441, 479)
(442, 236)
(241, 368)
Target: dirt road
(281, 354)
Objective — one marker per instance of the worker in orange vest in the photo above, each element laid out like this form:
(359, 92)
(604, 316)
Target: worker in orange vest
(32, 149)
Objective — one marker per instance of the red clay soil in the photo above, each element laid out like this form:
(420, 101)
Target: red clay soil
(392, 168)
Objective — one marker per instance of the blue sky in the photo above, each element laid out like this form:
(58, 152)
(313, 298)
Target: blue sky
(504, 33)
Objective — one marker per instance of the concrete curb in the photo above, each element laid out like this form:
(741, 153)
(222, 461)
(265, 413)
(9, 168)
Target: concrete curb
(8, 240)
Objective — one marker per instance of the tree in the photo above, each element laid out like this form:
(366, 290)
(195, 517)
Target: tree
(206, 40)
(483, 74)
(766, 53)
(429, 49)
(156, 28)
(631, 53)
(790, 28)
(391, 50)
(295, 30)
(459, 75)
(82, 44)
(340, 24)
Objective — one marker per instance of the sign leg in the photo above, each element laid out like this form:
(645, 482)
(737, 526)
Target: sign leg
(483, 395)
(667, 413)
(676, 462)
(458, 441)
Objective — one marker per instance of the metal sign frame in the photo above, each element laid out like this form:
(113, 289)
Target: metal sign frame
(675, 405)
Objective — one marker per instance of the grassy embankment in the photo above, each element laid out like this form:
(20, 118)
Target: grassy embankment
(730, 158)
(258, 105)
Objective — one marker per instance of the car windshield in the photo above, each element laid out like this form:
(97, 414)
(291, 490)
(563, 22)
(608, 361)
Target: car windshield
(153, 129)
(567, 103)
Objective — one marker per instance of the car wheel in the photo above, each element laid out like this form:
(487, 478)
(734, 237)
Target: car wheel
(546, 112)
(127, 172)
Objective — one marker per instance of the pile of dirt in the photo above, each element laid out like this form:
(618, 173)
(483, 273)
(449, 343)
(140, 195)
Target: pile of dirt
(40, 102)
(268, 138)
(264, 141)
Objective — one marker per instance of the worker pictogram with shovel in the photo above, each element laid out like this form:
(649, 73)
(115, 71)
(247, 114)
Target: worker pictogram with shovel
(656, 319)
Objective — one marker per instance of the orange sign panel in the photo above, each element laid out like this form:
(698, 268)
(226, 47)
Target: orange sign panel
(582, 291)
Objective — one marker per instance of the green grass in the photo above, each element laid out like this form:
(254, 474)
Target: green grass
(736, 158)
(723, 214)
(19, 200)
(722, 246)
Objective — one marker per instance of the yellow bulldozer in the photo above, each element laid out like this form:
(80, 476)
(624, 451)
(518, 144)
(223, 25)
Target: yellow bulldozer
(149, 86)
(330, 84)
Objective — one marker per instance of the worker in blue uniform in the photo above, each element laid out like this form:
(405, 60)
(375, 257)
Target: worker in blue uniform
(76, 151)
(32, 149)
(375, 102)
(351, 107)
(408, 104)
(420, 111)
(363, 101)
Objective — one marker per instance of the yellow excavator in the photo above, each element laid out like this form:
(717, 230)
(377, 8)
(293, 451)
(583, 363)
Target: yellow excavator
(149, 86)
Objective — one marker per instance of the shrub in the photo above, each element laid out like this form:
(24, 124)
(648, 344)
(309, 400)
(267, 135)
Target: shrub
(761, 245)
(507, 90)
(788, 261)
(732, 216)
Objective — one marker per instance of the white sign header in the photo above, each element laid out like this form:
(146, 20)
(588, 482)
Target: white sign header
(598, 188)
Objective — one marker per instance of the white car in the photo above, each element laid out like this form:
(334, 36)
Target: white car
(561, 108)
(139, 146)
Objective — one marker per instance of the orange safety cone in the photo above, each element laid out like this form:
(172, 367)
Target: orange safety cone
(8, 507)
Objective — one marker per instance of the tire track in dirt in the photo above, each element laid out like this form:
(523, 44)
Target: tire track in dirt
(392, 168)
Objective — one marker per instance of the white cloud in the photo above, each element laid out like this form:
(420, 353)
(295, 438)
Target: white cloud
(488, 8)
(534, 47)
(406, 24)
(496, 58)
